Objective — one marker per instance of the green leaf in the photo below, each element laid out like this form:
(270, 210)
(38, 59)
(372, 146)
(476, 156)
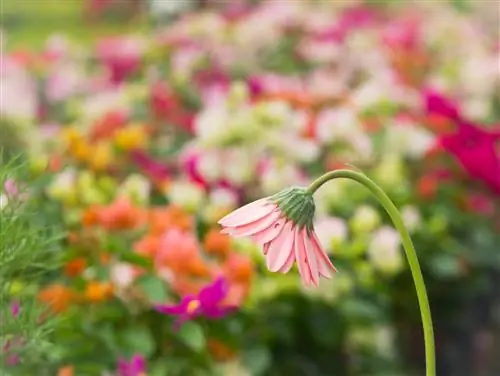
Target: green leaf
(257, 360)
(446, 266)
(191, 334)
(138, 339)
(153, 287)
(134, 258)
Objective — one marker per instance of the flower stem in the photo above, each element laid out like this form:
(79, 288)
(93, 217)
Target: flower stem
(411, 255)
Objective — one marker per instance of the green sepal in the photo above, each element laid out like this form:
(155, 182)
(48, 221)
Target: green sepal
(297, 204)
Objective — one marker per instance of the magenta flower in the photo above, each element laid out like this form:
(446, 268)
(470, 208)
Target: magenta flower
(121, 55)
(15, 307)
(283, 225)
(155, 170)
(136, 366)
(473, 147)
(207, 303)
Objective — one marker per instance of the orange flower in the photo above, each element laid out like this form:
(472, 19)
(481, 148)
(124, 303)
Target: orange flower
(55, 163)
(96, 291)
(179, 252)
(66, 371)
(147, 246)
(217, 243)
(57, 297)
(171, 216)
(427, 186)
(238, 268)
(107, 126)
(75, 267)
(220, 351)
(90, 216)
(120, 215)
(104, 258)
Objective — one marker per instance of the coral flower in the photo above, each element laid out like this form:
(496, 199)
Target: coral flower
(283, 225)
(207, 303)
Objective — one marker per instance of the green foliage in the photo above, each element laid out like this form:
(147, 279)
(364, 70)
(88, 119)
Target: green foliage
(28, 252)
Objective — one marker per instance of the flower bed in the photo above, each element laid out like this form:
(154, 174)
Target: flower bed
(145, 141)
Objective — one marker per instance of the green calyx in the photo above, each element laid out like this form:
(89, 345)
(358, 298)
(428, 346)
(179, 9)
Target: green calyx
(297, 204)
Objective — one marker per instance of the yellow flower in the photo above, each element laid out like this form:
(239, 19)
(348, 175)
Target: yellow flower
(71, 136)
(129, 138)
(81, 151)
(101, 157)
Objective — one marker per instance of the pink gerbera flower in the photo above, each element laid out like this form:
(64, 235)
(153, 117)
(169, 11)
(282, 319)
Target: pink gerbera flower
(283, 225)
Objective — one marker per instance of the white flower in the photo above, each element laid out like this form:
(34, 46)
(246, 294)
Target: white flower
(365, 219)
(411, 217)
(336, 124)
(63, 184)
(101, 102)
(408, 139)
(187, 195)
(223, 197)
(122, 275)
(210, 124)
(209, 166)
(331, 231)
(240, 166)
(384, 250)
(136, 187)
(276, 177)
(18, 88)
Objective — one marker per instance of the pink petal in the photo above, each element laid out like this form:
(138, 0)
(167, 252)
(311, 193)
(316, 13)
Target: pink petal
(325, 266)
(254, 227)
(288, 263)
(280, 248)
(300, 257)
(312, 263)
(248, 213)
(270, 233)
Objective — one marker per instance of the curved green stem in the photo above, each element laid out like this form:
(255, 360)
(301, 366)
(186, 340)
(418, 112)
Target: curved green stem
(411, 255)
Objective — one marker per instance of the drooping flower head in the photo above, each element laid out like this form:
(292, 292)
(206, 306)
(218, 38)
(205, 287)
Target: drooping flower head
(136, 366)
(283, 225)
(209, 303)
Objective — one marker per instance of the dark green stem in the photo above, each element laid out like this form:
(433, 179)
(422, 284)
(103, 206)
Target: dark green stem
(411, 255)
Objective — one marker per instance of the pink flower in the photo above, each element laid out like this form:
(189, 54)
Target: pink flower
(282, 224)
(154, 169)
(15, 307)
(474, 147)
(207, 303)
(122, 56)
(136, 366)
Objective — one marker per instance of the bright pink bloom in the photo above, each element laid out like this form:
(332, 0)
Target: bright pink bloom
(122, 56)
(154, 169)
(284, 240)
(474, 147)
(136, 366)
(207, 303)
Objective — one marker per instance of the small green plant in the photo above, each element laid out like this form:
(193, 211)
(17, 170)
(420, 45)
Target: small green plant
(28, 250)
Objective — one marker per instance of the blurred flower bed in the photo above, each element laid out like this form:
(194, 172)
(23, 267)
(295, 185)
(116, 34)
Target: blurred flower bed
(145, 141)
